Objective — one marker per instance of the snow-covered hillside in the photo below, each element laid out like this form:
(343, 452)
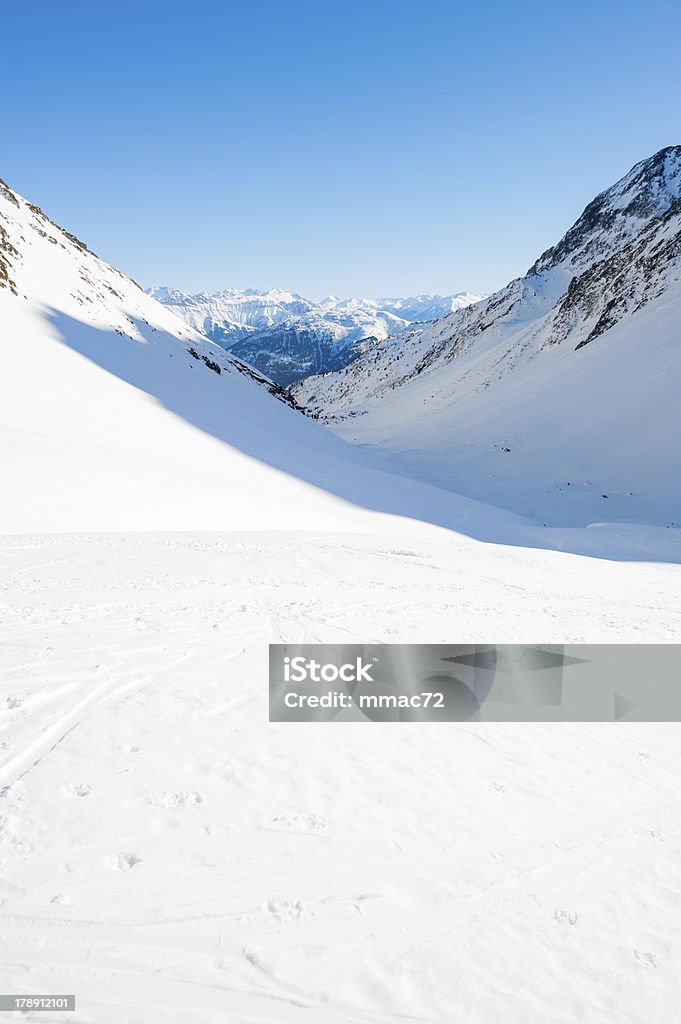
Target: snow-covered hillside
(288, 337)
(556, 396)
(114, 414)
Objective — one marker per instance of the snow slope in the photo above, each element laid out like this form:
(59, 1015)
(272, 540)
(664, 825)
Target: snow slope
(168, 855)
(86, 450)
(555, 397)
(288, 338)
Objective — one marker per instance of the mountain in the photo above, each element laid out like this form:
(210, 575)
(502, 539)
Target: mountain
(327, 338)
(556, 397)
(288, 337)
(417, 308)
(116, 415)
(232, 315)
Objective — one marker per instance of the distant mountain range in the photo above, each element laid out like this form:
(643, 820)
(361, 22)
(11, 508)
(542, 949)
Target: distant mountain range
(288, 337)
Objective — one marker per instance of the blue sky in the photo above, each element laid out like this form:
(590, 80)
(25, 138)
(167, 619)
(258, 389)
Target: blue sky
(348, 147)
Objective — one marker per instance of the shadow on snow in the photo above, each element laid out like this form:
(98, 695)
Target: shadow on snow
(235, 411)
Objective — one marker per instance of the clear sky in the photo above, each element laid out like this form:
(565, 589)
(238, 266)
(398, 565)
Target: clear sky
(362, 147)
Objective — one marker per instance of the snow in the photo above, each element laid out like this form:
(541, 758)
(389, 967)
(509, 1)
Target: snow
(169, 855)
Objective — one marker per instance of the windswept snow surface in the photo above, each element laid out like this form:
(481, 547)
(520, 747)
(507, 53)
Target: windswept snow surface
(168, 855)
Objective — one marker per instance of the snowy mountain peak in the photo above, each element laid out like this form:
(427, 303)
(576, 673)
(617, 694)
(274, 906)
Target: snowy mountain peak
(53, 286)
(233, 314)
(645, 193)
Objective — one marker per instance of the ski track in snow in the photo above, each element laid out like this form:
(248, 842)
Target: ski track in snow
(167, 854)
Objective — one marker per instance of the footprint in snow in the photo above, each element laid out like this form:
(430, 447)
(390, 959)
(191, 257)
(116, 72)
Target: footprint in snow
(77, 789)
(646, 959)
(565, 917)
(122, 861)
(181, 798)
(304, 824)
(284, 910)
